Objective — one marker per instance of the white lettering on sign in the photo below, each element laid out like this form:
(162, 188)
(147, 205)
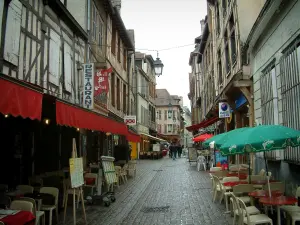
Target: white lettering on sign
(130, 120)
(88, 92)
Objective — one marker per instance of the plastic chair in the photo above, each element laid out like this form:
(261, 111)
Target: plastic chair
(21, 205)
(238, 213)
(38, 214)
(132, 168)
(243, 188)
(94, 184)
(26, 189)
(253, 219)
(216, 188)
(55, 192)
(292, 211)
(276, 186)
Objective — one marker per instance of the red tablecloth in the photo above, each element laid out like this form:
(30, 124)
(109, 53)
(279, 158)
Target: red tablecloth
(21, 218)
(282, 200)
(242, 176)
(234, 183)
(264, 193)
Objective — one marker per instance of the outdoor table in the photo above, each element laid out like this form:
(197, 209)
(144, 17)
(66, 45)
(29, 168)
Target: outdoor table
(278, 201)
(38, 197)
(20, 218)
(264, 193)
(234, 183)
(15, 194)
(241, 176)
(262, 182)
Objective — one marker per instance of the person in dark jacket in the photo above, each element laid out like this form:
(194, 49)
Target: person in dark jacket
(173, 149)
(179, 151)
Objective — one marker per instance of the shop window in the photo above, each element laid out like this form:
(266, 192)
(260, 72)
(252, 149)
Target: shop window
(290, 89)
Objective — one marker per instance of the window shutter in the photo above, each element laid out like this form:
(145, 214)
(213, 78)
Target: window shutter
(13, 32)
(54, 61)
(68, 65)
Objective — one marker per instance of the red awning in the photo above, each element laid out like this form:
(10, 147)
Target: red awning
(20, 101)
(202, 137)
(67, 115)
(203, 124)
(132, 137)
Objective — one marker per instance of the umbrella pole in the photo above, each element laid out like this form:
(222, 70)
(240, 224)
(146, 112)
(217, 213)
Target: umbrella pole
(268, 181)
(249, 168)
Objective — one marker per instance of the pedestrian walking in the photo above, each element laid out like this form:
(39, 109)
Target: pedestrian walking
(173, 150)
(180, 150)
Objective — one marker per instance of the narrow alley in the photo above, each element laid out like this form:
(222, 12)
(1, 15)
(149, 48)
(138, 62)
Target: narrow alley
(163, 192)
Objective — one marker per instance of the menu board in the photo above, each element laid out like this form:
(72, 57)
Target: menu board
(76, 172)
(109, 169)
(192, 154)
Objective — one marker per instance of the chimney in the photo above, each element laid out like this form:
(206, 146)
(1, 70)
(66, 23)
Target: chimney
(117, 4)
(202, 22)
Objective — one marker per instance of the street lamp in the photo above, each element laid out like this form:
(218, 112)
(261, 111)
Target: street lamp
(158, 66)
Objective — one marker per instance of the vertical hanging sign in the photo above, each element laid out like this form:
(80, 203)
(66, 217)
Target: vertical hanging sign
(88, 86)
(101, 86)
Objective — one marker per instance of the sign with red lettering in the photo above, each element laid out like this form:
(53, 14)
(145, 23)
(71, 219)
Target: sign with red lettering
(130, 120)
(101, 86)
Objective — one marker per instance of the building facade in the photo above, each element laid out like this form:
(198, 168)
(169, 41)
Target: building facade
(274, 51)
(145, 95)
(45, 47)
(168, 114)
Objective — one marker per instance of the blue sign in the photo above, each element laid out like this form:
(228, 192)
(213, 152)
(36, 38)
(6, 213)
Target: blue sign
(240, 101)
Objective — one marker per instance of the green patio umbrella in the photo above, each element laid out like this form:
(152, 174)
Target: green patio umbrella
(260, 139)
(222, 138)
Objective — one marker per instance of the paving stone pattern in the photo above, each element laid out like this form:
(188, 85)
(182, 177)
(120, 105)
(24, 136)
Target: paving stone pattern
(163, 192)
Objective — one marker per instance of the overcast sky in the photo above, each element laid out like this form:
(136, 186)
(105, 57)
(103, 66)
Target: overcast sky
(161, 24)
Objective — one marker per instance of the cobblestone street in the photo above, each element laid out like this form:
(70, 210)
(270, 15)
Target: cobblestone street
(163, 192)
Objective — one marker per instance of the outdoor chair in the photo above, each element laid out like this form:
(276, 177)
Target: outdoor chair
(238, 213)
(253, 219)
(292, 211)
(239, 190)
(55, 192)
(21, 205)
(26, 189)
(38, 214)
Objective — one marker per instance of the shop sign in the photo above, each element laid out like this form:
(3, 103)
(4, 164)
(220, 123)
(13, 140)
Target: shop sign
(101, 83)
(224, 110)
(130, 120)
(88, 84)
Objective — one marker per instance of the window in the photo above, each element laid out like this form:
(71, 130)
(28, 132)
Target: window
(131, 107)
(227, 59)
(232, 39)
(170, 113)
(100, 32)
(113, 39)
(224, 5)
(174, 115)
(118, 94)
(290, 89)
(68, 67)
(220, 67)
(124, 98)
(159, 128)
(170, 128)
(218, 19)
(94, 21)
(166, 114)
(269, 100)
(159, 114)
(124, 59)
(113, 87)
(119, 50)
(165, 128)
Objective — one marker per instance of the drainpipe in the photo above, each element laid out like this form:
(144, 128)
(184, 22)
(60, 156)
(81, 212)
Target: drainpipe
(136, 106)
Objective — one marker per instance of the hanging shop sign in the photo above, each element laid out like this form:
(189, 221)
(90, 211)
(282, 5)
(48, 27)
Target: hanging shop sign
(88, 92)
(101, 84)
(130, 120)
(224, 110)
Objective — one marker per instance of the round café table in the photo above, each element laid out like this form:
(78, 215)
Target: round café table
(264, 193)
(262, 182)
(278, 201)
(241, 176)
(234, 183)
(20, 218)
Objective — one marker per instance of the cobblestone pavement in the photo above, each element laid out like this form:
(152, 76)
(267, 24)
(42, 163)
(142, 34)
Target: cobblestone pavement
(163, 192)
